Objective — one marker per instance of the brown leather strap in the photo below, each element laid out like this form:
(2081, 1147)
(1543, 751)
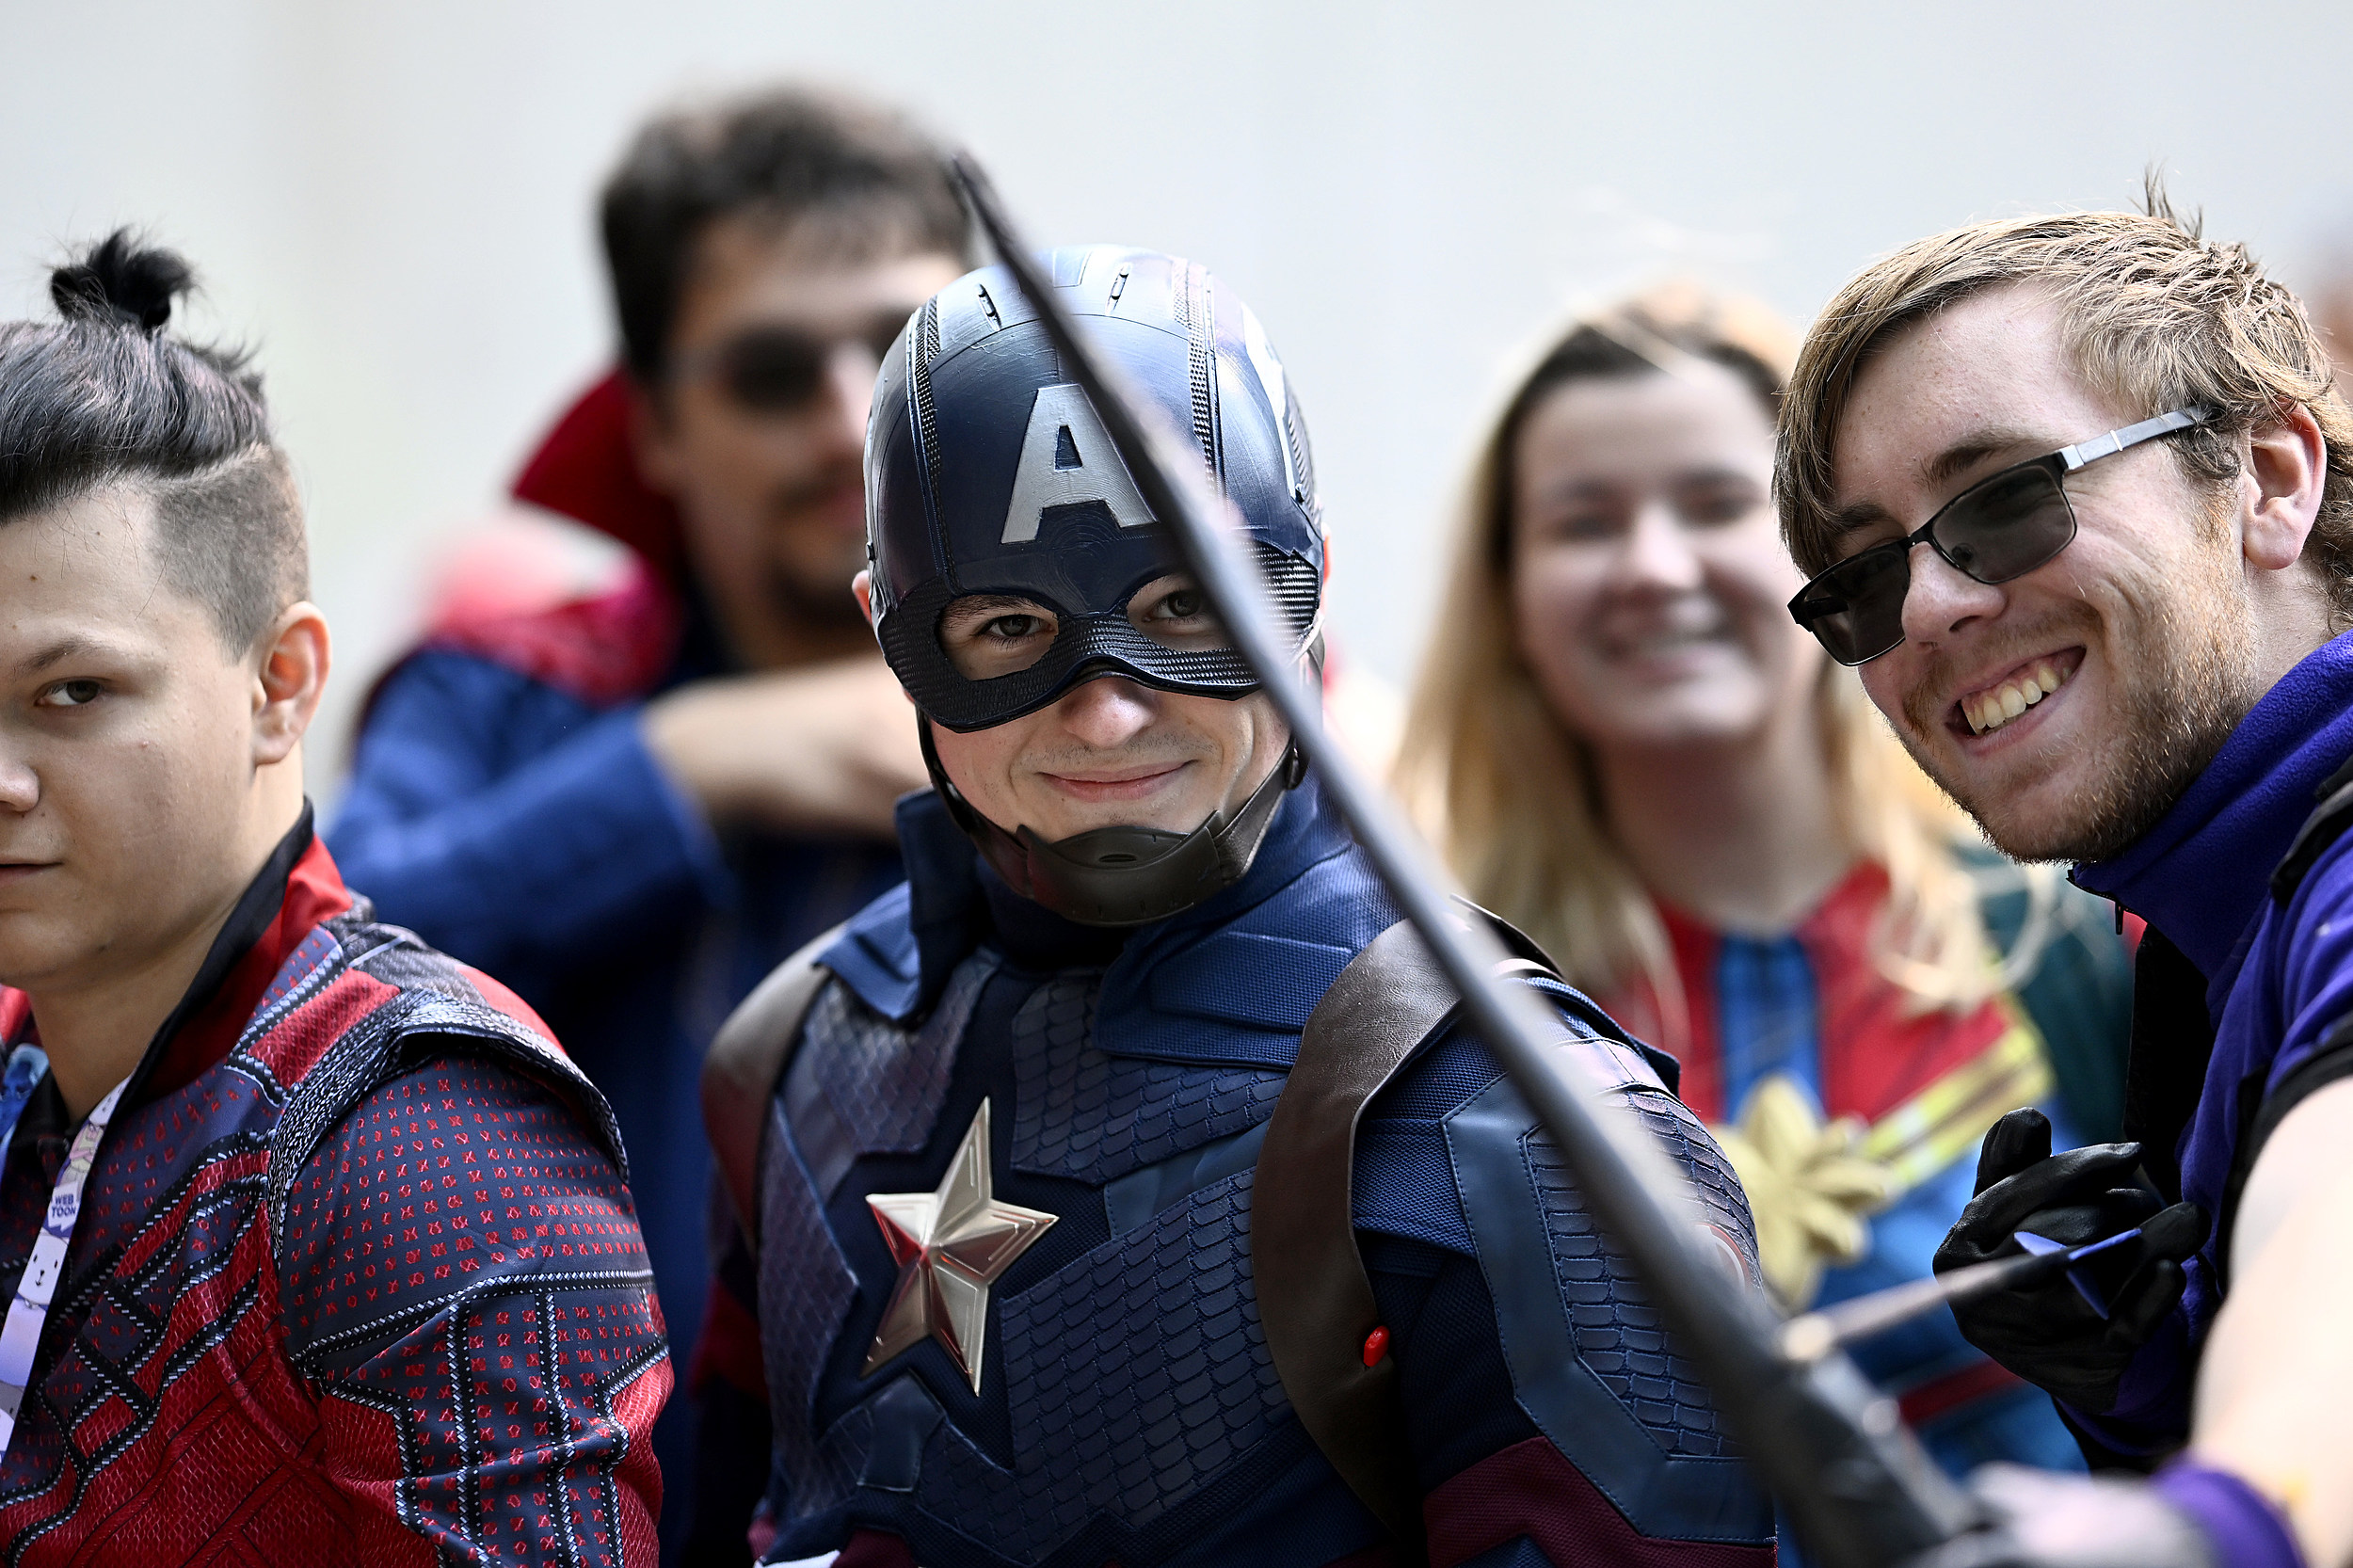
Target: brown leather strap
(744, 1065)
(1315, 1299)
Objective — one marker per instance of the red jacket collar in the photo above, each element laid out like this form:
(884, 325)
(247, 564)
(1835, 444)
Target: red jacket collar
(314, 892)
(262, 933)
(586, 468)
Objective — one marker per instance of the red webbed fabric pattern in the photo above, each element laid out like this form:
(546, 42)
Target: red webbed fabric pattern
(507, 1411)
(266, 1350)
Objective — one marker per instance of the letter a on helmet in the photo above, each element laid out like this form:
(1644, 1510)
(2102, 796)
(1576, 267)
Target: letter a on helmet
(1067, 459)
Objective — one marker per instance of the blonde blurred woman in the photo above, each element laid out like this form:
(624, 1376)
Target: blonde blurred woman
(1630, 751)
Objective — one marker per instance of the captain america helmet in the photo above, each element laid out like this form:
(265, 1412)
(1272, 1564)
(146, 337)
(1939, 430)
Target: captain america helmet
(989, 478)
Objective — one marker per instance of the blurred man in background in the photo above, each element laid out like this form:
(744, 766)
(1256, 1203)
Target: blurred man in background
(632, 802)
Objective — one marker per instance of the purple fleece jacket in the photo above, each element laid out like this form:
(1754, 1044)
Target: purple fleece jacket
(2279, 978)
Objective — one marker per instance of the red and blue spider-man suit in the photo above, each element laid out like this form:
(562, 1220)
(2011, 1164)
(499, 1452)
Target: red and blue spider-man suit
(356, 1277)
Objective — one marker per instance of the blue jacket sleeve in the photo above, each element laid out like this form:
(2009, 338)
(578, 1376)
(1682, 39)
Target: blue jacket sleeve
(515, 827)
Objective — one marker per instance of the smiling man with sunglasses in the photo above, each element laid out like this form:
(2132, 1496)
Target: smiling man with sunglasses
(634, 801)
(2077, 497)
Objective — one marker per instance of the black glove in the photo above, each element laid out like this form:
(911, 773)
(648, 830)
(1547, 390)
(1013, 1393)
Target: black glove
(2043, 1520)
(2047, 1333)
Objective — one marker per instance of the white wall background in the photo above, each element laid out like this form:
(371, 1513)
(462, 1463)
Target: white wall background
(392, 202)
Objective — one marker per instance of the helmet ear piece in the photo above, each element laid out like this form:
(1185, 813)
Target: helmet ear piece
(959, 808)
(869, 602)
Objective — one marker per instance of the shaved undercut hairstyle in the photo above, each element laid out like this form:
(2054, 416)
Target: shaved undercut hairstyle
(853, 180)
(2156, 316)
(106, 396)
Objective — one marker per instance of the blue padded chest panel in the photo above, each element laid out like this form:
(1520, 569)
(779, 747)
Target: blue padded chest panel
(1136, 1376)
(863, 1083)
(1084, 1114)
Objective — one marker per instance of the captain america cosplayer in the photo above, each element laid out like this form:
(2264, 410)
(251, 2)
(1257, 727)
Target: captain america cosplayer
(316, 1248)
(1002, 1146)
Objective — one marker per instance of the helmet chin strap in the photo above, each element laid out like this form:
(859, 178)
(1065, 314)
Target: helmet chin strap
(1120, 876)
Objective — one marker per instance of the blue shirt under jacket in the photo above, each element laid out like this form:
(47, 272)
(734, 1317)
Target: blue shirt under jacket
(2280, 985)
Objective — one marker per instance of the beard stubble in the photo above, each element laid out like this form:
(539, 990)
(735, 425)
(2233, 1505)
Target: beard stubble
(2183, 672)
(807, 584)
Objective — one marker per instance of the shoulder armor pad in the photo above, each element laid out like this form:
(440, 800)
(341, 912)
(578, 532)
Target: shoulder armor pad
(745, 1060)
(408, 1003)
(1315, 1304)
(877, 953)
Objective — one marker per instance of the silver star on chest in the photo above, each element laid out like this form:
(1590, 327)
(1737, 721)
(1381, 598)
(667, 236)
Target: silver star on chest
(950, 1245)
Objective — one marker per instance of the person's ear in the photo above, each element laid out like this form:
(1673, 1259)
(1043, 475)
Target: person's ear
(653, 439)
(289, 675)
(2287, 470)
(862, 589)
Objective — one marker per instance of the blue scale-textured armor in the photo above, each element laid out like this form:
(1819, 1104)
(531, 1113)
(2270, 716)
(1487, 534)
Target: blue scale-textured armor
(1084, 1113)
(805, 1287)
(1618, 1334)
(1136, 1374)
(882, 1082)
(885, 1081)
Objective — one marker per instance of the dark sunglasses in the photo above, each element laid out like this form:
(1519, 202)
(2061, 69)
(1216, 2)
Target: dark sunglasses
(2001, 527)
(776, 370)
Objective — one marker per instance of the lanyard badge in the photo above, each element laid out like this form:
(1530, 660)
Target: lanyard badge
(21, 1337)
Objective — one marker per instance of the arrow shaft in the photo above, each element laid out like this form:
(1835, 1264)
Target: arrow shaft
(1814, 1334)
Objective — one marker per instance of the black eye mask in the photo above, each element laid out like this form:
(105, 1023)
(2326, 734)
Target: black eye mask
(1088, 642)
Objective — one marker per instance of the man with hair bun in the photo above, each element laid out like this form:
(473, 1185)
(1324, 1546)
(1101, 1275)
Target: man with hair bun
(317, 1249)
(2079, 491)
(632, 798)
